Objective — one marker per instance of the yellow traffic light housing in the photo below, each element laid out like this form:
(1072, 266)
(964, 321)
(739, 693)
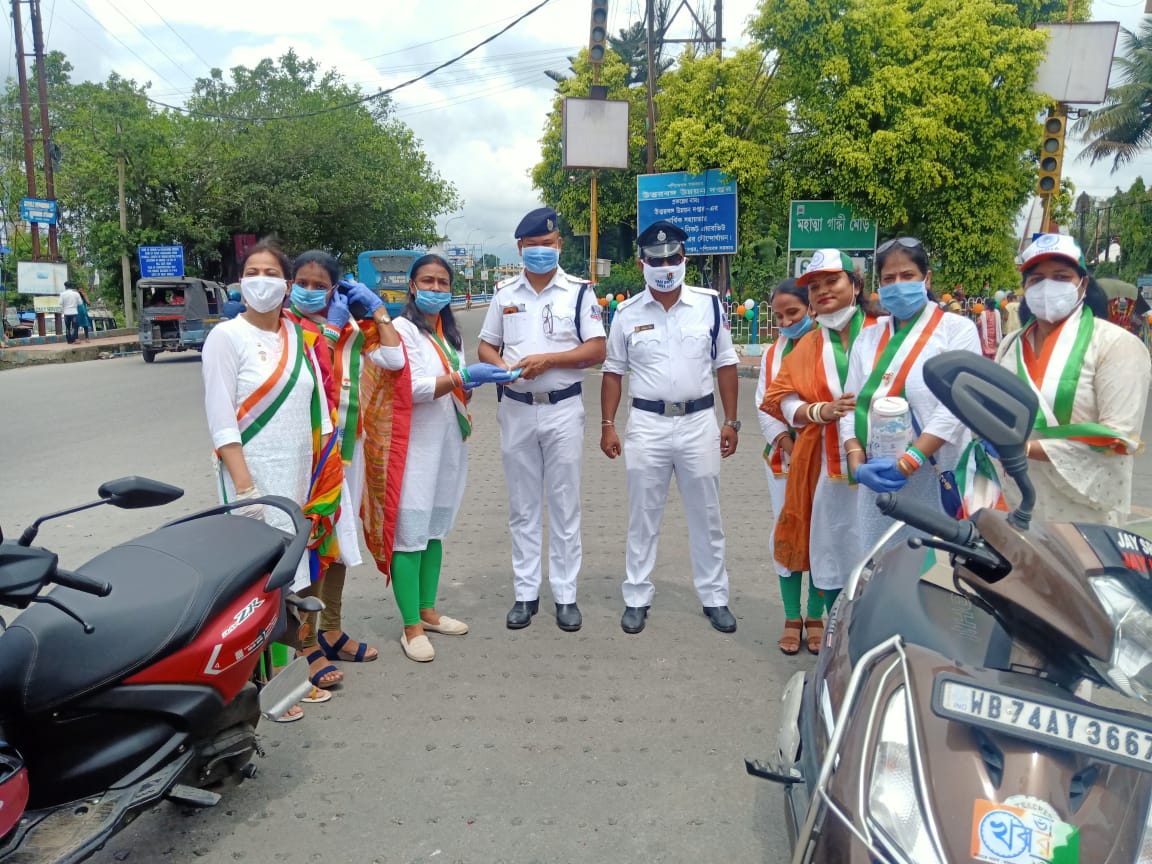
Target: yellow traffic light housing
(598, 34)
(1052, 151)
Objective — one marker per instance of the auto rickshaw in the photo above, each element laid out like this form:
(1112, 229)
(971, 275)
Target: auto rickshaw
(175, 314)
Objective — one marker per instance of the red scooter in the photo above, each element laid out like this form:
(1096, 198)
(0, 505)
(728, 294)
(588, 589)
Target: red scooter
(137, 678)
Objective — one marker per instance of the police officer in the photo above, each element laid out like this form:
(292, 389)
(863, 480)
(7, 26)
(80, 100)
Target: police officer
(671, 337)
(547, 324)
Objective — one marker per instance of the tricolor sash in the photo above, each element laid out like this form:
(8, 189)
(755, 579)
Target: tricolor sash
(254, 412)
(775, 456)
(347, 357)
(451, 361)
(978, 481)
(1054, 376)
(831, 376)
(895, 358)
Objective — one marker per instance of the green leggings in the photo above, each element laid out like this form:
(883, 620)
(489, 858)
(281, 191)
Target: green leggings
(415, 578)
(790, 587)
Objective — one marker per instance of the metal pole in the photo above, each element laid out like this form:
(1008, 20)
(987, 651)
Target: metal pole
(125, 267)
(651, 16)
(26, 118)
(719, 27)
(45, 126)
(594, 230)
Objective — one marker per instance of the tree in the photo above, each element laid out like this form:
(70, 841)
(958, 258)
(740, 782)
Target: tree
(918, 113)
(1122, 128)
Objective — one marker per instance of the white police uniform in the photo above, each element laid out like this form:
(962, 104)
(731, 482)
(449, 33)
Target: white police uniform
(542, 426)
(669, 355)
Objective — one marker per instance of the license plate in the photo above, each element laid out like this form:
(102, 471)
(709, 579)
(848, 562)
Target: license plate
(1069, 726)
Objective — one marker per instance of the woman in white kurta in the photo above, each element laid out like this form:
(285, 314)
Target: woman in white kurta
(437, 463)
(263, 449)
(341, 350)
(1092, 381)
(790, 308)
(889, 361)
(816, 530)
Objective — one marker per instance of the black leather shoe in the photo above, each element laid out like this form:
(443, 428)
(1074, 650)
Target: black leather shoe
(634, 617)
(568, 617)
(721, 618)
(520, 615)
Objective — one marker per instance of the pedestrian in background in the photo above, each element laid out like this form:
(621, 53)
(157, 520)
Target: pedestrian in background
(671, 338)
(436, 467)
(70, 301)
(546, 324)
(989, 328)
(817, 530)
(343, 350)
(1092, 380)
(83, 319)
(790, 306)
(233, 306)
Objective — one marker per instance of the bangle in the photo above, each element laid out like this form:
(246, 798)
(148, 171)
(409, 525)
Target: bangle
(607, 422)
(814, 412)
(906, 465)
(776, 440)
(247, 491)
(917, 454)
(853, 450)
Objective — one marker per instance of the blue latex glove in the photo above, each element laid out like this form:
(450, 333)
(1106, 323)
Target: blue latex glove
(486, 373)
(881, 475)
(990, 449)
(338, 311)
(358, 292)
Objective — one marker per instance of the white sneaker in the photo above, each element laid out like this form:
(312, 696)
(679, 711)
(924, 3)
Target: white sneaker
(419, 649)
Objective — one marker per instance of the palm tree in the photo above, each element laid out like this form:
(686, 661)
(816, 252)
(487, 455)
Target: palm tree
(1123, 126)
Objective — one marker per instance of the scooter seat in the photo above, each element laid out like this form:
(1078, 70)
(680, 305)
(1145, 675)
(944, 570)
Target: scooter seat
(165, 586)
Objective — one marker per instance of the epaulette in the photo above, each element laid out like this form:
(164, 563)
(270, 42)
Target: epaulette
(711, 292)
(629, 301)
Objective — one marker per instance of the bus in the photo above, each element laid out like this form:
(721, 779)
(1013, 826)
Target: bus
(385, 271)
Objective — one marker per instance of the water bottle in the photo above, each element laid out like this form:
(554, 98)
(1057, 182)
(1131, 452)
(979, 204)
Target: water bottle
(890, 429)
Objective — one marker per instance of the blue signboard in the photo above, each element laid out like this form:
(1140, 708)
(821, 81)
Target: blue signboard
(41, 210)
(158, 262)
(704, 205)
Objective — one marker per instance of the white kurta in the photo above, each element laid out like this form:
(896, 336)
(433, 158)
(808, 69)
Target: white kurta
(437, 465)
(238, 358)
(771, 428)
(1079, 483)
(953, 333)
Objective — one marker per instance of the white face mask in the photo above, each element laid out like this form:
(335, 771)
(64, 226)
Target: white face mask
(1051, 300)
(665, 278)
(836, 320)
(263, 293)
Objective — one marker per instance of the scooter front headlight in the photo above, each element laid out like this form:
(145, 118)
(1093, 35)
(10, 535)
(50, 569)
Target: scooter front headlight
(1130, 667)
(893, 804)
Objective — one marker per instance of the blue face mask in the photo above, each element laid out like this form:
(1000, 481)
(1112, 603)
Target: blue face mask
(540, 259)
(904, 299)
(309, 299)
(795, 331)
(431, 302)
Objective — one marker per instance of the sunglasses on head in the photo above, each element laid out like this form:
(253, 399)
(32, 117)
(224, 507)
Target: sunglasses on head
(905, 242)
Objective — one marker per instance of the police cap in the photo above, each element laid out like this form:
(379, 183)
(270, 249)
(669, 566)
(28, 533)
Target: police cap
(539, 222)
(660, 239)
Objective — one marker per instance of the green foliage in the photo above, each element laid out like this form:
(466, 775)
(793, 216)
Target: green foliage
(1122, 128)
(344, 181)
(626, 278)
(1128, 216)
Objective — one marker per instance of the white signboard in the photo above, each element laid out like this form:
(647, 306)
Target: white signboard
(40, 277)
(1077, 61)
(47, 305)
(595, 133)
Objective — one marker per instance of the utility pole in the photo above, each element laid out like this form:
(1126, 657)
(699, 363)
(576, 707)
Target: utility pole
(45, 127)
(26, 118)
(718, 31)
(125, 267)
(650, 15)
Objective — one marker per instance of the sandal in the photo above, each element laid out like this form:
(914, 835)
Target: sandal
(790, 642)
(317, 678)
(316, 696)
(815, 628)
(333, 650)
(291, 715)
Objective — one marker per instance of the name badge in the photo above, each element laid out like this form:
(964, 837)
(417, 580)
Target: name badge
(640, 328)
(512, 310)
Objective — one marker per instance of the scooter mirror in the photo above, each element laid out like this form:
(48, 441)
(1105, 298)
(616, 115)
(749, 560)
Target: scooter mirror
(985, 397)
(132, 493)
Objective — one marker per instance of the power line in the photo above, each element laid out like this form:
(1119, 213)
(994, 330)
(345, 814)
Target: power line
(187, 44)
(354, 102)
(434, 41)
(123, 44)
(150, 40)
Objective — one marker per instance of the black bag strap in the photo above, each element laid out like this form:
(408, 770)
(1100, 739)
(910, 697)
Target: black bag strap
(579, 305)
(715, 322)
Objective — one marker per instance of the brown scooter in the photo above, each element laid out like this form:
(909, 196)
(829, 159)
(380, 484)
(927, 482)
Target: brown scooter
(942, 723)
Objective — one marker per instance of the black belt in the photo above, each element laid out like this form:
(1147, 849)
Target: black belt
(675, 409)
(549, 398)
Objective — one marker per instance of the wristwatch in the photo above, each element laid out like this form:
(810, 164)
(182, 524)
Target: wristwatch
(383, 317)
(735, 424)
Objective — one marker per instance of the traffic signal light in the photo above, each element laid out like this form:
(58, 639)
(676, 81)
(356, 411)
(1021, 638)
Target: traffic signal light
(598, 36)
(1052, 152)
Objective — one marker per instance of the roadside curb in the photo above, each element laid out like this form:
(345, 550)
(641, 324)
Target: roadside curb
(19, 358)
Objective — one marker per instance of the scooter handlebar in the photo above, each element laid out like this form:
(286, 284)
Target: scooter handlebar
(79, 582)
(960, 531)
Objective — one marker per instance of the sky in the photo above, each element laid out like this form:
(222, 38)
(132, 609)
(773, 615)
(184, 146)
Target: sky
(480, 121)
